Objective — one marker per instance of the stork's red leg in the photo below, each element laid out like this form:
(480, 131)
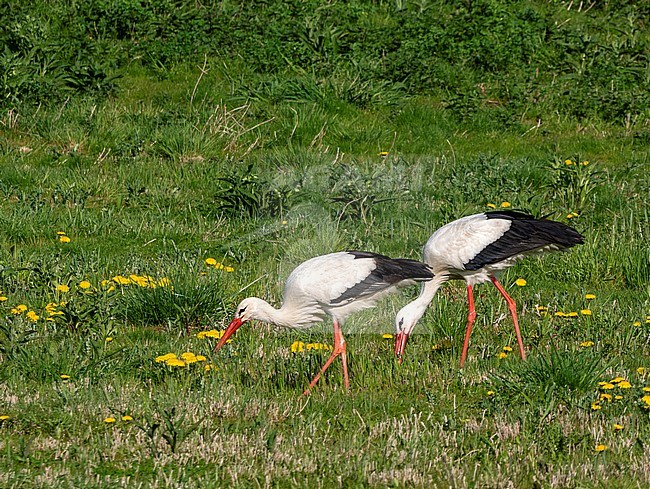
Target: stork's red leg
(339, 349)
(513, 312)
(471, 316)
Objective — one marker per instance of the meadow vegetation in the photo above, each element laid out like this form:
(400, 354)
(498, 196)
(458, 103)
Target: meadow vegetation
(160, 161)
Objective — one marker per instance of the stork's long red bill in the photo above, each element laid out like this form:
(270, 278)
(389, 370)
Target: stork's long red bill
(232, 327)
(400, 344)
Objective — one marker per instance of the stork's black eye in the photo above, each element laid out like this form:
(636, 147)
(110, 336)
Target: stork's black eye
(401, 322)
(241, 311)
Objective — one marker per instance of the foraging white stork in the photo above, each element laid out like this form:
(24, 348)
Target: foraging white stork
(475, 249)
(335, 285)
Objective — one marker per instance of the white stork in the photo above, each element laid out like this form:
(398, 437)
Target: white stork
(475, 249)
(335, 285)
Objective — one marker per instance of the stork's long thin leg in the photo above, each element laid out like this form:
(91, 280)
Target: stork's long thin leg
(471, 316)
(339, 349)
(513, 312)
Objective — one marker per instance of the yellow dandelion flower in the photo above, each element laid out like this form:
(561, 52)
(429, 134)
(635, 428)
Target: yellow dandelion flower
(616, 380)
(164, 358)
(213, 333)
(573, 314)
(542, 308)
(560, 314)
(625, 385)
(491, 206)
(568, 162)
(297, 346)
(63, 288)
(208, 367)
(108, 339)
(505, 204)
(636, 323)
(126, 417)
(109, 420)
(600, 448)
(502, 355)
(587, 344)
(590, 296)
(617, 427)
(507, 348)
(569, 216)
(187, 355)
(139, 281)
(646, 389)
(3, 298)
(646, 399)
(21, 307)
(607, 386)
(4, 417)
(595, 406)
(618, 398)
(65, 377)
(121, 280)
(605, 397)
(387, 336)
(210, 262)
(84, 284)
(64, 239)
(200, 358)
(228, 269)
(490, 393)
(175, 362)
(164, 282)
(641, 370)
(585, 312)
(436, 347)
(382, 153)
(60, 233)
(520, 282)
(584, 163)
(32, 316)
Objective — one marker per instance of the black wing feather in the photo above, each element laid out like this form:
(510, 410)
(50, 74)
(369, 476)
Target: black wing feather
(526, 234)
(388, 272)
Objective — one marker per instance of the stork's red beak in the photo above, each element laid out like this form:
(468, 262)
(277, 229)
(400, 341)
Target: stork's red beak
(400, 344)
(232, 327)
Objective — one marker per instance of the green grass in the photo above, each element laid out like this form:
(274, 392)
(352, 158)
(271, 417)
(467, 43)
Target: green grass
(265, 160)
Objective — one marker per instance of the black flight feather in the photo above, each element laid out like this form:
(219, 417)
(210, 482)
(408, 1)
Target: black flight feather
(388, 272)
(526, 234)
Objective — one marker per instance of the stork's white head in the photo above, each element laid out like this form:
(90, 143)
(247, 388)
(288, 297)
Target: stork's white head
(405, 321)
(246, 310)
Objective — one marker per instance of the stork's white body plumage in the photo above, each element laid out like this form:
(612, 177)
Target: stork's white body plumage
(475, 249)
(335, 285)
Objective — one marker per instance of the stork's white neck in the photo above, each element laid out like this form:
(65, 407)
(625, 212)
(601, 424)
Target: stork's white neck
(413, 311)
(286, 316)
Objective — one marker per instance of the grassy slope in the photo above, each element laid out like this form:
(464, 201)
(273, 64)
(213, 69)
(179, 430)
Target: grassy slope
(134, 181)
